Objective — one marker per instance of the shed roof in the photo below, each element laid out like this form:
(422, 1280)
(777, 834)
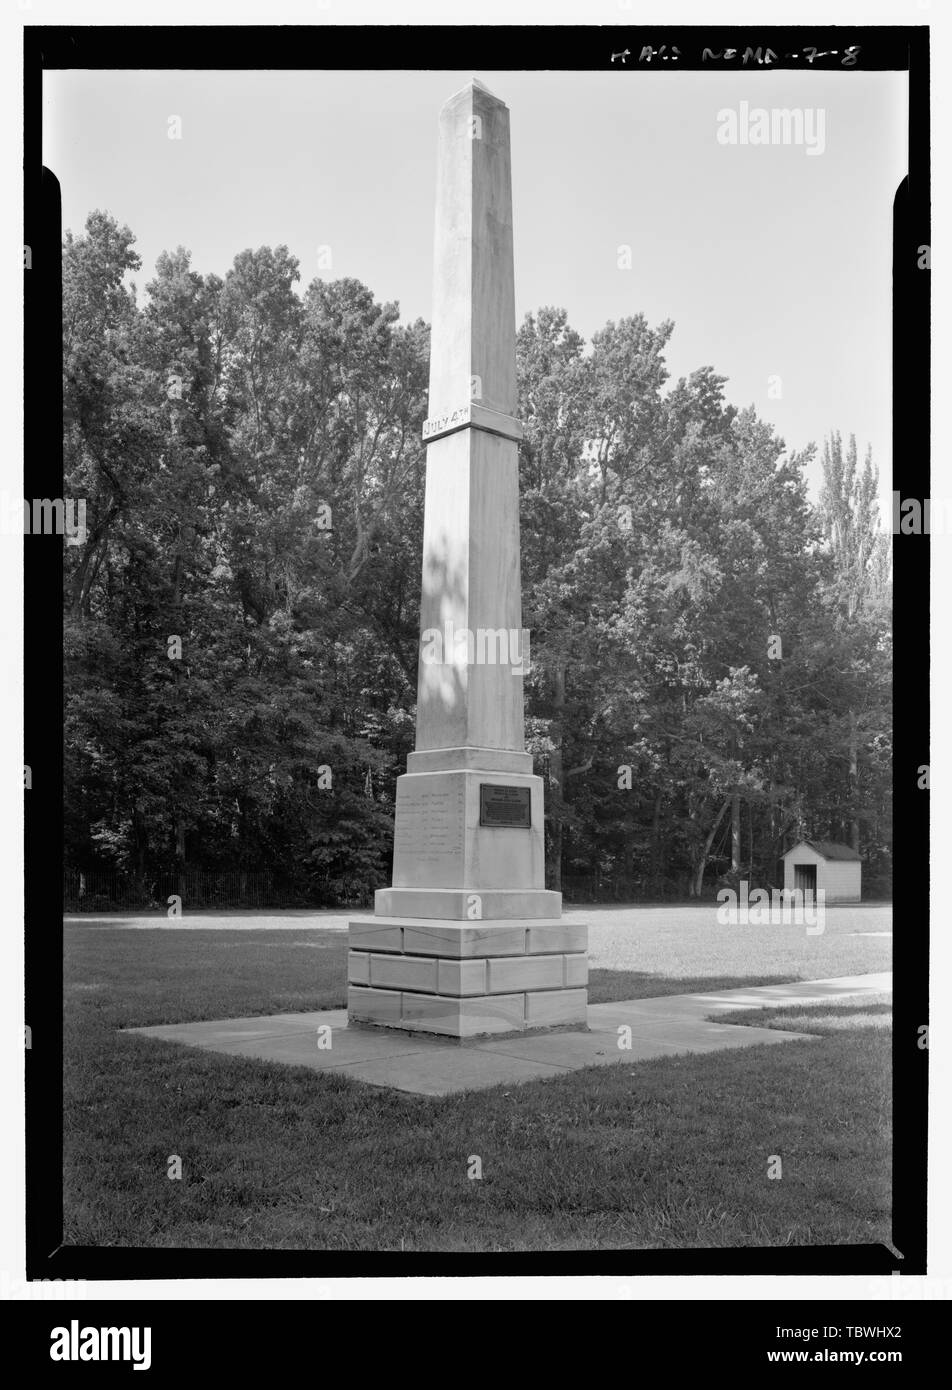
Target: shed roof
(828, 849)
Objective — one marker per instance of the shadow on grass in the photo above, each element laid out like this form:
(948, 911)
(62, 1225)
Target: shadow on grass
(607, 986)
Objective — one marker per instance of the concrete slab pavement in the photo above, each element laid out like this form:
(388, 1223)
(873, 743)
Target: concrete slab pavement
(667, 1025)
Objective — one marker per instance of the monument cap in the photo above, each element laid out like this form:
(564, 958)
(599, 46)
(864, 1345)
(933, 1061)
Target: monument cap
(472, 85)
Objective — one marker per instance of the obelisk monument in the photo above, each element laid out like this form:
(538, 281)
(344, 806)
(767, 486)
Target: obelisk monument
(468, 941)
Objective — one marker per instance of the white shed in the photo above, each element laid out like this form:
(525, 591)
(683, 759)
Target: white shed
(815, 864)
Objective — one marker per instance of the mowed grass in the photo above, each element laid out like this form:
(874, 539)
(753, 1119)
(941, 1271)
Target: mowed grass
(872, 1011)
(663, 1154)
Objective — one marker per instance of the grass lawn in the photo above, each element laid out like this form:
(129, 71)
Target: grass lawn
(873, 1011)
(662, 1154)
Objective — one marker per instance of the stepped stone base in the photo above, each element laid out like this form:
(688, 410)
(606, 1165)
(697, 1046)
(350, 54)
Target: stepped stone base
(466, 980)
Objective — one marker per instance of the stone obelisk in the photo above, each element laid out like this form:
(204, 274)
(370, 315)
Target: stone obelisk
(468, 941)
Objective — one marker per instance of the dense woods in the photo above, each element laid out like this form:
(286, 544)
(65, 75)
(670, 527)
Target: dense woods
(710, 651)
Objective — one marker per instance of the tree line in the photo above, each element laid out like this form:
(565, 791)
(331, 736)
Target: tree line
(710, 651)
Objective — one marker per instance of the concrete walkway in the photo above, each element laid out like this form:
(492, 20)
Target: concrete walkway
(660, 1027)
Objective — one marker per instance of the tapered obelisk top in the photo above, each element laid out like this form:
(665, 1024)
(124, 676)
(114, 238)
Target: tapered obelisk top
(473, 346)
(473, 84)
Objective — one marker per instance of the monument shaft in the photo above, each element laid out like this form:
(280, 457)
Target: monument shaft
(468, 940)
(471, 527)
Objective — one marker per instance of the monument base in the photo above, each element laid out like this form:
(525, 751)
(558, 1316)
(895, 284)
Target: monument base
(467, 979)
(456, 904)
(462, 1040)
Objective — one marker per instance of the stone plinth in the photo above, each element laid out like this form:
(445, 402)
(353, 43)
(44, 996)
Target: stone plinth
(467, 979)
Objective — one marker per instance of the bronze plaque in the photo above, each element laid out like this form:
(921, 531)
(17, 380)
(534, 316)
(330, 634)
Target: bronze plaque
(505, 808)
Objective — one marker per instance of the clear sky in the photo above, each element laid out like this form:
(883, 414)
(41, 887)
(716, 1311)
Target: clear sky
(771, 261)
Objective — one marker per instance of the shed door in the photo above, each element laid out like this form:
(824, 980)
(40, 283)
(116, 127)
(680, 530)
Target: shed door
(804, 876)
